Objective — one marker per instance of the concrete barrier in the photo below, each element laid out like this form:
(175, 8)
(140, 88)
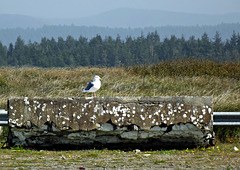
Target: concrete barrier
(121, 122)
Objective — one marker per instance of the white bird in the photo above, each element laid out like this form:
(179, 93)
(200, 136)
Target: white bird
(235, 148)
(94, 85)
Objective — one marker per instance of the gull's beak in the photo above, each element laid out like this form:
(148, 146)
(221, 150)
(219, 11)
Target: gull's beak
(101, 79)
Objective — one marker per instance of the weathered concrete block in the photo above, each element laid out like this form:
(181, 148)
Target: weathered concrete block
(83, 122)
(106, 127)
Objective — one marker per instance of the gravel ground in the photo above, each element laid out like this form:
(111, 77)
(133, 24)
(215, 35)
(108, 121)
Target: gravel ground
(222, 156)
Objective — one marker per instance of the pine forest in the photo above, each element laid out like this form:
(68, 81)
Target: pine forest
(115, 52)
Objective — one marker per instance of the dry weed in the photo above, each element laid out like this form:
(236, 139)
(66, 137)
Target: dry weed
(67, 82)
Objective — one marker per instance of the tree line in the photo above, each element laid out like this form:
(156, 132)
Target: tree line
(9, 35)
(110, 52)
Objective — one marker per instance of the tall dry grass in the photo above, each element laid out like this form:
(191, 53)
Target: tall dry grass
(68, 82)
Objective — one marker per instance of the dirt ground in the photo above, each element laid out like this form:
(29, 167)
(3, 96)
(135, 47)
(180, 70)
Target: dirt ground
(222, 156)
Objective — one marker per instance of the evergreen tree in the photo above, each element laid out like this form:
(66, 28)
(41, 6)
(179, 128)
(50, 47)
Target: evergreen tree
(96, 50)
(205, 47)
(238, 45)
(11, 60)
(233, 46)
(19, 52)
(218, 47)
(3, 55)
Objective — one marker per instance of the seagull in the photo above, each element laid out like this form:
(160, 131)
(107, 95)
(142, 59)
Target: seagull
(94, 85)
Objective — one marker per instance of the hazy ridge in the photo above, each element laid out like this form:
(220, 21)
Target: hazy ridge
(121, 22)
(123, 18)
(35, 35)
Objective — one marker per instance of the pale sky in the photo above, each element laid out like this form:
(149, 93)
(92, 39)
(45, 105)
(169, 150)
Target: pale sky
(82, 8)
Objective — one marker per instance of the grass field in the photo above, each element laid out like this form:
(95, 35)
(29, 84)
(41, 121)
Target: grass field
(222, 156)
(179, 78)
(189, 78)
